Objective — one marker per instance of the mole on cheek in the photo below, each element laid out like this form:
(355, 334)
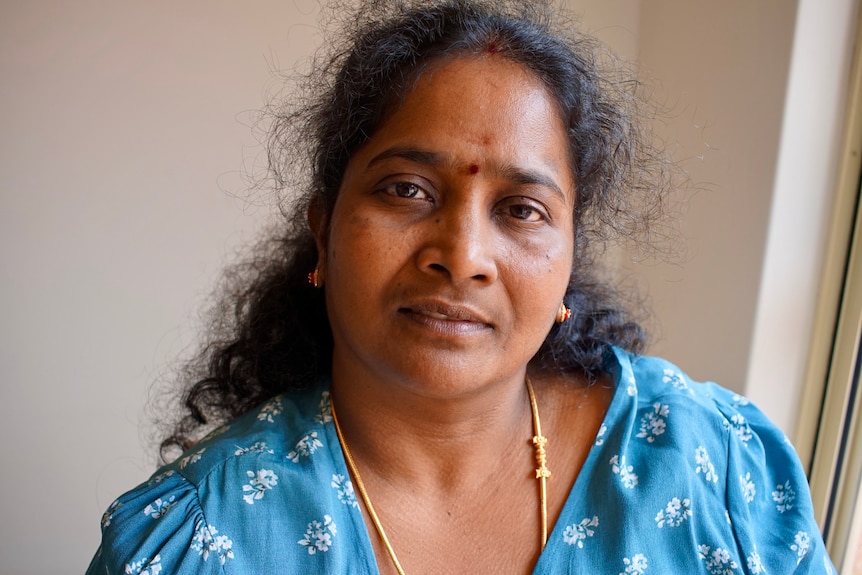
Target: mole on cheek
(474, 169)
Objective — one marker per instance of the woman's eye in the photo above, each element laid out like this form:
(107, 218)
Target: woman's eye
(525, 212)
(407, 190)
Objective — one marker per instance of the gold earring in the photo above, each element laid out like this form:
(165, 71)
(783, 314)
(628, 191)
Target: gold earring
(563, 313)
(315, 278)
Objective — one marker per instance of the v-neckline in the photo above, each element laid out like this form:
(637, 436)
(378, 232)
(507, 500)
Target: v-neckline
(620, 369)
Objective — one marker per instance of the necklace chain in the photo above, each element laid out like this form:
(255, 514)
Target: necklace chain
(542, 471)
(542, 474)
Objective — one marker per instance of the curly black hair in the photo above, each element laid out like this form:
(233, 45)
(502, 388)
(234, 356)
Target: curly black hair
(269, 331)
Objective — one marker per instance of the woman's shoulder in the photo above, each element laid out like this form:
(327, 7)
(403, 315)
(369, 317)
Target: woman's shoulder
(670, 410)
(287, 426)
(157, 520)
(704, 457)
(659, 385)
(200, 511)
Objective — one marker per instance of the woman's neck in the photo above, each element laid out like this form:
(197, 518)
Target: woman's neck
(436, 443)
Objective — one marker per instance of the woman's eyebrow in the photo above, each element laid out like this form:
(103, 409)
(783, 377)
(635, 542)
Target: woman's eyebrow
(528, 177)
(411, 154)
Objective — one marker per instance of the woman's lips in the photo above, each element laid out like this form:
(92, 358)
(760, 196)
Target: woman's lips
(437, 315)
(447, 318)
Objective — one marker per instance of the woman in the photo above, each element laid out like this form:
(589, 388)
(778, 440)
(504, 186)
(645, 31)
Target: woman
(423, 375)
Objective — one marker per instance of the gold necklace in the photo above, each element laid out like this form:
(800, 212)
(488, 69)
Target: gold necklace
(542, 474)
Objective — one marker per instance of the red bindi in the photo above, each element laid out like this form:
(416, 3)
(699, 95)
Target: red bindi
(474, 169)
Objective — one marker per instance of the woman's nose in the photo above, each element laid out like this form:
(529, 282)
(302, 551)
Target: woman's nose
(460, 244)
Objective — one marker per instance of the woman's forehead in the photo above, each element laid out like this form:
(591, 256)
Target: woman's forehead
(476, 113)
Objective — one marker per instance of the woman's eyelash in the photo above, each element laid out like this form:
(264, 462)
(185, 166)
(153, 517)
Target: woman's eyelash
(523, 209)
(406, 190)
(525, 212)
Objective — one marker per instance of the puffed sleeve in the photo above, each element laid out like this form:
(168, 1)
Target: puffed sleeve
(769, 504)
(159, 527)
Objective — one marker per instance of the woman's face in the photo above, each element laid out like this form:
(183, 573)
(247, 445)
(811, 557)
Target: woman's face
(450, 244)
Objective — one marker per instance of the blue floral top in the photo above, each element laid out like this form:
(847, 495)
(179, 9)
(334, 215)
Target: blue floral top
(683, 478)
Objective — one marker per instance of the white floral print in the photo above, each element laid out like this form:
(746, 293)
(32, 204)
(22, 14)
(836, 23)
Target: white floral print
(637, 564)
(159, 507)
(654, 422)
(161, 477)
(740, 428)
(144, 566)
(324, 414)
(258, 484)
(738, 400)
(677, 380)
(577, 533)
(674, 513)
(704, 464)
(600, 436)
(784, 496)
(192, 458)
(207, 541)
(270, 409)
(108, 515)
(801, 543)
(717, 561)
(754, 563)
(344, 487)
(318, 536)
(257, 447)
(619, 467)
(748, 488)
(631, 388)
(305, 447)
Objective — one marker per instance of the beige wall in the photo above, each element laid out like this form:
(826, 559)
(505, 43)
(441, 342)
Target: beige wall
(121, 124)
(124, 123)
(755, 98)
(722, 70)
(718, 70)
(614, 22)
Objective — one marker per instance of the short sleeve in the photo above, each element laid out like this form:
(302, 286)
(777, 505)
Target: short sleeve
(159, 527)
(769, 503)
